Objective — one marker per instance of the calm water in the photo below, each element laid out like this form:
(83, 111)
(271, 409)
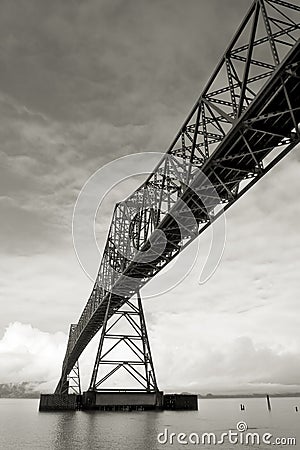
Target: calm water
(23, 427)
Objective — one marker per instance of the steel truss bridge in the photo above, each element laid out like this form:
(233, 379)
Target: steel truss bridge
(243, 123)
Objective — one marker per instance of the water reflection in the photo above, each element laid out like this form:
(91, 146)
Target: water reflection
(65, 431)
(132, 430)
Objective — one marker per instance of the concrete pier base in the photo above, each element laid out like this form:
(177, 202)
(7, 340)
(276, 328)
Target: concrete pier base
(180, 402)
(118, 401)
(122, 401)
(59, 402)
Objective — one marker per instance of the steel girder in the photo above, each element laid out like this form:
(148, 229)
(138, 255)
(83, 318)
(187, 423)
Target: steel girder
(248, 110)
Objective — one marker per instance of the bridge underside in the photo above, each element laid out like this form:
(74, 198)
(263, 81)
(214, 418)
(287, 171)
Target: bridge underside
(253, 130)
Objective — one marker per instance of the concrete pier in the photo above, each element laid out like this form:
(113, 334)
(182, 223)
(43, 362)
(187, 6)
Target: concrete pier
(188, 402)
(122, 401)
(59, 402)
(118, 401)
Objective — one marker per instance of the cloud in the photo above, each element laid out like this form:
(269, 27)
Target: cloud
(26, 353)
(235, 365)
(83, 84)
(214, 353)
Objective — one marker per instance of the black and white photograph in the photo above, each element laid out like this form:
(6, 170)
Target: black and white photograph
(149, 210)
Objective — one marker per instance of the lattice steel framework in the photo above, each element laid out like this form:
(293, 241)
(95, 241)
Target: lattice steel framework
(74, 385)
(244, 122)
(138, 363)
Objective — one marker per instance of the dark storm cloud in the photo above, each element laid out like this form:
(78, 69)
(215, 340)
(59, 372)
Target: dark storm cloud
(85, 82)
(113, 60)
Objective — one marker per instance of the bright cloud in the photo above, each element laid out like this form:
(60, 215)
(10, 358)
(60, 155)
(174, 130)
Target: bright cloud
(26, 353)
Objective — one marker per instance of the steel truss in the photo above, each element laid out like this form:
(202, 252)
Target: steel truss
(71, 380)
(248, 112)
(138, 364)
(74, 385)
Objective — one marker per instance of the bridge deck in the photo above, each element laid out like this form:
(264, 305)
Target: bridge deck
(231, 158)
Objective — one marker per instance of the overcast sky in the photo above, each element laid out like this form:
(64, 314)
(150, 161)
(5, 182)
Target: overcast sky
(82, 83)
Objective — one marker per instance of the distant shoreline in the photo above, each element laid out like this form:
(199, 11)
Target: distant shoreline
(31, 390)
(29, 397)
(36, 395)
(221, 396)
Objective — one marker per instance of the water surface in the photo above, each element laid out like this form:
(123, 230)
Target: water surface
(23, 427)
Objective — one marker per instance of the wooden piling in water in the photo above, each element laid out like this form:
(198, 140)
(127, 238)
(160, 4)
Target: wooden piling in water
(269, 403)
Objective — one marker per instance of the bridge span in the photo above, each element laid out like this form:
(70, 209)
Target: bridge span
(243, 123)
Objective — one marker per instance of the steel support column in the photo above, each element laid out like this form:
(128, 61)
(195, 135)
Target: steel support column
(139, 365)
